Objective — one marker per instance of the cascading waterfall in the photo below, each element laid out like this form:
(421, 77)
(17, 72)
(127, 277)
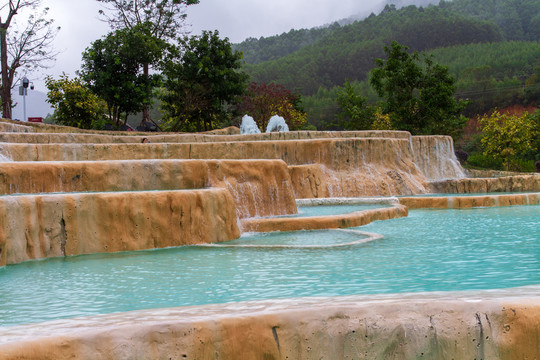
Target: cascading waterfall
(435, 157)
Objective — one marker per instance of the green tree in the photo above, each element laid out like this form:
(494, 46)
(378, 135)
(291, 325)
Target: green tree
(510, 138)
(162, 19)
(202, 82)
(355, 113)
(75, 104)
(112, 68)
(417, 93)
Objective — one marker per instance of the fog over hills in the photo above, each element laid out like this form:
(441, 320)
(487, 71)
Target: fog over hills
(398, 3)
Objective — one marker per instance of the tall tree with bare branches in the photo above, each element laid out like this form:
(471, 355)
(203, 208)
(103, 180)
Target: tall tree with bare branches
(164, 18)
(28, 45)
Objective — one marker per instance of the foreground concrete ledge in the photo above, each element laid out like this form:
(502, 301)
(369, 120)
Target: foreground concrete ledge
(460, 202)
(489, 324)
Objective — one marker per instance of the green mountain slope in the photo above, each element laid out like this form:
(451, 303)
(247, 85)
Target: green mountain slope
(327, 56)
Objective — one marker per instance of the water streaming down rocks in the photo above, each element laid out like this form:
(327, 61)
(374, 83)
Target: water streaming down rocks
(352, 166)
(4, 158)
(435, 157)
(198, 194)
(259, 187)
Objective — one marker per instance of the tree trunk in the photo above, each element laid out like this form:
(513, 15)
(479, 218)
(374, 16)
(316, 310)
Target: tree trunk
(146, 109)
(6, 84)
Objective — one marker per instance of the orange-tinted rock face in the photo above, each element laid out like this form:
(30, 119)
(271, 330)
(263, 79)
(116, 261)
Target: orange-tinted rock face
(517, 183)
(337, 167)
(39, 226)
(258, 187)
(462, 202)
(354, 219)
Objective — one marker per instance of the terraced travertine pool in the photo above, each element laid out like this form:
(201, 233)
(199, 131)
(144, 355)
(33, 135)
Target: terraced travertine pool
(431, 250)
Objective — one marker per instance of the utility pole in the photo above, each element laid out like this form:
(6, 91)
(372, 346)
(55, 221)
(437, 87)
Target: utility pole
(23, 90)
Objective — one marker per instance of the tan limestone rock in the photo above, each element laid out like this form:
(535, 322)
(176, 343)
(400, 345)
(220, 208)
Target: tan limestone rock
(40, 226)
(480, 325)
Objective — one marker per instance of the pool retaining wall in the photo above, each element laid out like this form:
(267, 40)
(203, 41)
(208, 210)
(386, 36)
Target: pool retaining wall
(357, 218)
(459, 202)
(515, 183)
(496, 324)
(41, 226)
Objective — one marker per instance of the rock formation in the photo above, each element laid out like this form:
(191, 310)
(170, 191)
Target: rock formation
(71, 193)
(40, 226)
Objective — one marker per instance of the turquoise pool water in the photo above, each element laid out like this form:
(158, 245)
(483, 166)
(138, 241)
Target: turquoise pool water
(431, 250)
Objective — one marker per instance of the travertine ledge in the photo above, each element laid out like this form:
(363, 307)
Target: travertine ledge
(114, 137)
(40, 226)
(353, 219)
(459, 202)
(259, 187)
(516, 183)
(493, 324)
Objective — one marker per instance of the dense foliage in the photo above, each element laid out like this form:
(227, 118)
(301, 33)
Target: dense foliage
(75, 104)
(305, 60)
(163, 20)
(355, 113)
(488, 75)
(510, 138)
(113, 68)
(350, 51)
(202, 82)
(418, 93)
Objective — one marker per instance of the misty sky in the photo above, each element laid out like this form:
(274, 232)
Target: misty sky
(235, 19)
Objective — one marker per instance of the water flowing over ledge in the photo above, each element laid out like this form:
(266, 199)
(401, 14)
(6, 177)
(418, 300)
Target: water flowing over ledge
(140, 182)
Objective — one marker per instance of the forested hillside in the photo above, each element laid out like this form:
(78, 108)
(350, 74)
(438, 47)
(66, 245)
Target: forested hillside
(491, 75)
(305, 60)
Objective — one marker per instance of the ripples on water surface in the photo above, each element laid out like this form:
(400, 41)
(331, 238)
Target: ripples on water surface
(431, 250)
